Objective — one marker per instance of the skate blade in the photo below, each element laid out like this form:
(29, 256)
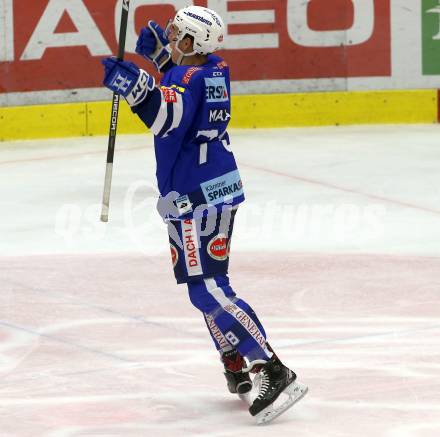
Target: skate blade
(294, 391)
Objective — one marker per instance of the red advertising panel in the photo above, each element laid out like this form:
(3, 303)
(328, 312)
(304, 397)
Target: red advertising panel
(58, 44)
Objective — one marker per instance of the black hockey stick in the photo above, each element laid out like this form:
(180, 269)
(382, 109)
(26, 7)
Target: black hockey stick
(114, 118)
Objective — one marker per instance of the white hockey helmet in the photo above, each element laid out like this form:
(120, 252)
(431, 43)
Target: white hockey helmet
(203, 24)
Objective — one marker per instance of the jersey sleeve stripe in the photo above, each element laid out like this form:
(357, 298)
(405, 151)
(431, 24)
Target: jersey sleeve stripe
(161, 117)
(168, 122)
(177, 114)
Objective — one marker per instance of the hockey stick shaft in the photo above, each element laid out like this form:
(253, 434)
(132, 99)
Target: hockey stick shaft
(114, 118)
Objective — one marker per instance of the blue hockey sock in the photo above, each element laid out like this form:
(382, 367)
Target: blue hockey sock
(230, 320)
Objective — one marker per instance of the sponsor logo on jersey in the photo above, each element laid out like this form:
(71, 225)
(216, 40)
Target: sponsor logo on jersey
(169, 95)
(178, 88)
(251, 327)
(232, 338)
(216, 115)
(217, 73)
(184, 206)
(215, 331)
(174, 87)
(218, 247)
(191, 248)
(216, 90)
(247, 323)
(231, 308)
(189, 74)
(174, 255)
(198, 17)
(223, 189)
(222, 64)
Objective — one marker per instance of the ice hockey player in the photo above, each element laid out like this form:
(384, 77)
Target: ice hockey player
(201, 188)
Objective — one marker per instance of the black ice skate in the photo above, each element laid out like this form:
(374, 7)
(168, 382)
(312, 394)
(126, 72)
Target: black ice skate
(275, 379)
(238, 381)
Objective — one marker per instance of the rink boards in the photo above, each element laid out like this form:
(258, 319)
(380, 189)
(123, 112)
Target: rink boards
(248, 111)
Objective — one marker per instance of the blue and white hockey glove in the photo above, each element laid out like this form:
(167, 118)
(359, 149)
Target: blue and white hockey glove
(153, 45)
(127, 79)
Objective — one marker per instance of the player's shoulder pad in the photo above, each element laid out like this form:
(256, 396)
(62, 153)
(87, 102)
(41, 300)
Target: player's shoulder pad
(217, 62)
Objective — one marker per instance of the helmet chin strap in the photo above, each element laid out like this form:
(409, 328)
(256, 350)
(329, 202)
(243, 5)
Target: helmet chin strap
(182, 54)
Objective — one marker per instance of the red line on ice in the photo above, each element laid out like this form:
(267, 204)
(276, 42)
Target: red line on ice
(345, 190)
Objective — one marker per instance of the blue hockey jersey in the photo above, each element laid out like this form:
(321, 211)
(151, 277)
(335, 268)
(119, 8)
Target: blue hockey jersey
(188, 115)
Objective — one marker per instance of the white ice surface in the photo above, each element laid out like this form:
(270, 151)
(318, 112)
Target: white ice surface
(355, 189)
(337, 248)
